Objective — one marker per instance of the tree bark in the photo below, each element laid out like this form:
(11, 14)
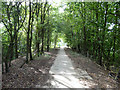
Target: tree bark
(103, 34)
(48, 34)
(28, 40)
(31, 58)
(55, 41)
(84, 31)
(114, 40)
(42, 22)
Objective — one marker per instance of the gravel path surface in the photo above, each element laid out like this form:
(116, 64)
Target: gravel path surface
(63, 74)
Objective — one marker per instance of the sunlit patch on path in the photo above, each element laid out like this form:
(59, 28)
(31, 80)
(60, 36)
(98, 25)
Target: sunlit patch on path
(63, 74)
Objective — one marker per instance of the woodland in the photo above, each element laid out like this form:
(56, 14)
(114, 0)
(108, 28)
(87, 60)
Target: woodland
(31, 28)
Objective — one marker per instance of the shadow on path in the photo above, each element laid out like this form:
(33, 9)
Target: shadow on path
(63, 74)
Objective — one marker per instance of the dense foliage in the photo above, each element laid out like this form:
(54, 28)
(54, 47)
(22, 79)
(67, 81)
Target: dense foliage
(28, 30)
(93, 29)
(90, 28)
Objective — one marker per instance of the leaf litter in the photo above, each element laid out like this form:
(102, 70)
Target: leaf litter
(30, 74)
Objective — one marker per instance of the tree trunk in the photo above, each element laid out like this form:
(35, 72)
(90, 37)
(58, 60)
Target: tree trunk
(3, 67)
(42, 22)
(31, 35)
(55, 41)
(28, 41)
(103, 34)
(11, 50)
(48, 42)
(38, 33)
(114, 45)
(42, 47)
(98, 38)
(6, 59)
(16, 44)
(48, 34)
(84, 30)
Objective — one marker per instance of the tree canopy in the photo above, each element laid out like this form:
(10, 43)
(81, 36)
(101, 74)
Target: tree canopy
(90, 28)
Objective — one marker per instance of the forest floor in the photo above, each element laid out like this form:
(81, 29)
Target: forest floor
(0, 76)
(97, 73)
(30, 74)
(67, 69)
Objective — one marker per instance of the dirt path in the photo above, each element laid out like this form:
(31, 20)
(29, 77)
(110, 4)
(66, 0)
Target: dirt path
(63, 74)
